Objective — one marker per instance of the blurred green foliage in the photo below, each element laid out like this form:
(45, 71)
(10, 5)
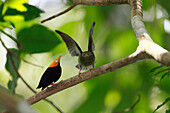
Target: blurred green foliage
(11, 65)
(114, 39)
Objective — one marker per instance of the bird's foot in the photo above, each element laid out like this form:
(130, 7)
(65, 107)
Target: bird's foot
(79, 72)
(52, 84)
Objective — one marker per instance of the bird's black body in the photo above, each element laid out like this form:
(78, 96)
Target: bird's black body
(52, 74)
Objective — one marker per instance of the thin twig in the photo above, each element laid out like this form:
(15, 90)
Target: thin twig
(9, 36)
(25, 60)
(15, 68)
(128, 109)
(54, 16)
(53, 104)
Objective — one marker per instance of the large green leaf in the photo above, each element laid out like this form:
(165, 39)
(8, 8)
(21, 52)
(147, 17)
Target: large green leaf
(37, 39)
(12, 69)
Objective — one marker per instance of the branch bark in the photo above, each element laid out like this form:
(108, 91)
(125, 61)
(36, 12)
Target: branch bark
(100, 2)
(86, 76)
(146, 44)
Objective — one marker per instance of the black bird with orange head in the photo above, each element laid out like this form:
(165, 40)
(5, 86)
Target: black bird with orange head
(51, 75)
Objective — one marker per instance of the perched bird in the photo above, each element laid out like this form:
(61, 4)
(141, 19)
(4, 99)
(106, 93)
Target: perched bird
(51, 75)
(86, 59)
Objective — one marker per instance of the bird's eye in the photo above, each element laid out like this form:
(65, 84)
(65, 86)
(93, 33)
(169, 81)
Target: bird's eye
(56, 60)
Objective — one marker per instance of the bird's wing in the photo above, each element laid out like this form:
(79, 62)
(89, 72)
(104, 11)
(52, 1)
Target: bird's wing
(91, 46)
(72, 46)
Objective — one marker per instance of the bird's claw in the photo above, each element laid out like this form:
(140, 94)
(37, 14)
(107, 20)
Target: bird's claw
(79, 72)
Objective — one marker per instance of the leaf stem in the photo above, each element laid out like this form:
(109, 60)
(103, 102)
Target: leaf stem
(10, 36)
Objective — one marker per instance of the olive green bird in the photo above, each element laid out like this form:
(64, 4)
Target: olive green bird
(86, 59)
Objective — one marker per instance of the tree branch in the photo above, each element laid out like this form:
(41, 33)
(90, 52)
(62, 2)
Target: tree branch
(146, 44)
(100, 2)
(86, 76)
(87, 2)
(63, 12)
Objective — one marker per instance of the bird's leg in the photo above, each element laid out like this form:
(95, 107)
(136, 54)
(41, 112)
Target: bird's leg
(52, 83)
(79, 72)
(93, 66)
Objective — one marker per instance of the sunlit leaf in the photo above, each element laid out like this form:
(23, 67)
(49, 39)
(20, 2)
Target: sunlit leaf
(12, 65)
(15, 4)
(31, 13)
(37, 39)
(159, 106)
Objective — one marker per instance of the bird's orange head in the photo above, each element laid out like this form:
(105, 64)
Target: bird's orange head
(55, 62)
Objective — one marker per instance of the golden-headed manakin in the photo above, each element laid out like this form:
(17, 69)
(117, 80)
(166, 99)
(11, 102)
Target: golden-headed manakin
(86, 59)
(51, 75)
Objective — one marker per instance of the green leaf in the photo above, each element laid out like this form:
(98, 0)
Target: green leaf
(11, 69)
(11, 11)
(159, 106)
(32, 12)
(37, 39)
